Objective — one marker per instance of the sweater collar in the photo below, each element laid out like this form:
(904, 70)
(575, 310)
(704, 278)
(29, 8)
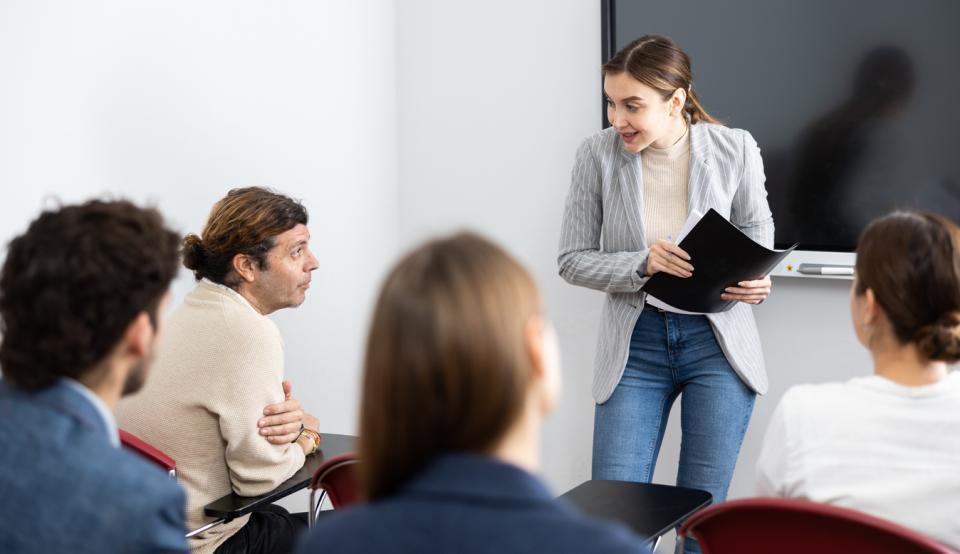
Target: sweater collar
(229, 292)
(673, 152)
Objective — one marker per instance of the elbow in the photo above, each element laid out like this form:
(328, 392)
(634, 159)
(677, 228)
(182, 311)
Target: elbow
(566, 264)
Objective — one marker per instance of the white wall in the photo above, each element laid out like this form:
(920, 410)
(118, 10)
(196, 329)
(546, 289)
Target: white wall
(177, 102)
(494, 98)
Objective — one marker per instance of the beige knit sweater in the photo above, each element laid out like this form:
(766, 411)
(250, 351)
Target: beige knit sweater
(666, 173)
(219, 362)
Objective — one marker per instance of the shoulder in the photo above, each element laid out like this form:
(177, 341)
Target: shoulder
(111, 496)
(815, 393)
(799, 397)
(727, 142)
(401, 526)
(130, 481)
(149, 502)
(348, 530)
(809, 405)
(211, 311)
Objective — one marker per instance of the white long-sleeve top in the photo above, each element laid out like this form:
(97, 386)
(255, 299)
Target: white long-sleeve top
(872, 445)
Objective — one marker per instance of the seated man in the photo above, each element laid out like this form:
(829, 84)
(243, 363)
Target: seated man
(221, 362)
(81, 295)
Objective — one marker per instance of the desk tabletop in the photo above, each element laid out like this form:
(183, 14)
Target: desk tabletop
(649, 510)
(233, 505)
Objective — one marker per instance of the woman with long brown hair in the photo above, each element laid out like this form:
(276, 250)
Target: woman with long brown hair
(889, 443)
(461, 367)
(633, 186)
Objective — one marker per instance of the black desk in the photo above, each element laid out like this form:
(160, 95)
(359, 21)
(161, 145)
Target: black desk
(233, 505)
(650, 510)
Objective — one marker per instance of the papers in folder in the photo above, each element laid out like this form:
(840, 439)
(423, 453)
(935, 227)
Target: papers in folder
(722, 256)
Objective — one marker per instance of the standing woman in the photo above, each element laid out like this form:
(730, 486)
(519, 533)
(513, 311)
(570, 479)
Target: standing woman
(633, 186)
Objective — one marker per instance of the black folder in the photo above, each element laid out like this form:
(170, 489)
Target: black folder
(722, 256)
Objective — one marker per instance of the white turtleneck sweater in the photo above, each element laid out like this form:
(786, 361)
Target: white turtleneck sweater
(872, 445)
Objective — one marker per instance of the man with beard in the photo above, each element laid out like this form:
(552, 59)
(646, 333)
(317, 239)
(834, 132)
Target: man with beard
(221, 363)
(82, 293)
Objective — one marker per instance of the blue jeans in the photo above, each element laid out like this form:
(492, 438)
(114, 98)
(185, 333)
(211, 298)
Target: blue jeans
(672, 354)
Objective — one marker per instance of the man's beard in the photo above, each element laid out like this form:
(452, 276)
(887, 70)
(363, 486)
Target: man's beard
(136, 377)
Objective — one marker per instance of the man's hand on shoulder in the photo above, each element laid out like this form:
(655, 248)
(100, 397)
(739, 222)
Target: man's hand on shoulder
(281, 421)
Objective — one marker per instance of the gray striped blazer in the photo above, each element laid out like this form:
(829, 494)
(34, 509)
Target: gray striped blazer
(602, 245)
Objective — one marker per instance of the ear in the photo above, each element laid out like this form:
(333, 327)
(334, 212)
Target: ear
(677, 101)
(139, 335)
(871, 308)
(545, 379)
(533, 337)
(246, 267)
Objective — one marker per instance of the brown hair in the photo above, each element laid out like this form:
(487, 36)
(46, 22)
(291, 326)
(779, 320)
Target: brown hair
(246, 221)
(659, 63)
(73, 283)
(447, 367)
(911, 261)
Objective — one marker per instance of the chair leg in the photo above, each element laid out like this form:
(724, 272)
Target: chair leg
(315, 505)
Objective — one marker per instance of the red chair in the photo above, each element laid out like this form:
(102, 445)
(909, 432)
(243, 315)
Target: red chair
(135, 443)
(789, 526)
(152, 454)
(336, 478)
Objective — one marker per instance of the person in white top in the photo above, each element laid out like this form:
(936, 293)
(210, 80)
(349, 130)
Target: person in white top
(887, 444)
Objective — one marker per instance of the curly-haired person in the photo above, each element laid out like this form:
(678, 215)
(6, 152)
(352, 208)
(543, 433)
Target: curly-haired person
(82, 293)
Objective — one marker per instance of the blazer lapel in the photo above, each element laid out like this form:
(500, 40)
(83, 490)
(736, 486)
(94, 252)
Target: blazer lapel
(702, 195)
(630, 180)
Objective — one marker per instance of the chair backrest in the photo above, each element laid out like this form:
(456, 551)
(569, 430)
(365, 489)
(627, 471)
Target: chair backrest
(789, 526)
(138, 445)
(338, 477)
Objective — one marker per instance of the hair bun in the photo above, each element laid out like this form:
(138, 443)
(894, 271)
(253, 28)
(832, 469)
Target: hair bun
(941, 339)
(194, 255)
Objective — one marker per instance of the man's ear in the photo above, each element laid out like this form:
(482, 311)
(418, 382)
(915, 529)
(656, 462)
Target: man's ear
(246, 267)
(139, 335)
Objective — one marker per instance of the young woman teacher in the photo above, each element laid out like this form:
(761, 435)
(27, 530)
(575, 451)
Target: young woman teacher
(633, 186)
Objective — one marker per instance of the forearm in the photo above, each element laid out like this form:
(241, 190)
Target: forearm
(604, 271)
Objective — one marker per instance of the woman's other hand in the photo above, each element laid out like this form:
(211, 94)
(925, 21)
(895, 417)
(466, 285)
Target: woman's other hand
(669, 258)
(751, 292)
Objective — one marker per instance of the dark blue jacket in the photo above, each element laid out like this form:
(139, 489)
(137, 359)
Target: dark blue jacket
(467, 504)
(65, 488)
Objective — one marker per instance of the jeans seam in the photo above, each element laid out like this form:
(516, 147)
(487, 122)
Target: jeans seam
(671, 358)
